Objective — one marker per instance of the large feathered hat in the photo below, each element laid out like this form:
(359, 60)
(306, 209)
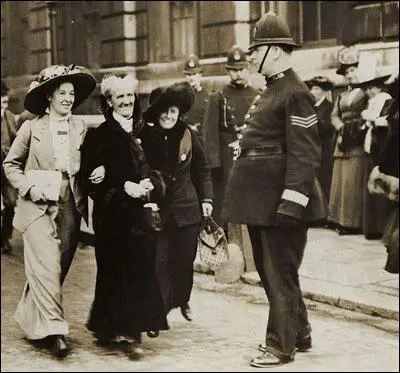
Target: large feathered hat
(4, 88)
(347, 57)
(50, 78)
(179, 94)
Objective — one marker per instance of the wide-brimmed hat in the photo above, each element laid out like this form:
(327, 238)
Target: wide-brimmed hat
(347, 57)
(377, 79)
(271, 30)
(192, 65)
(320, 81)
(50, 78)
(236, 58)
(179, 94)
(4, 88)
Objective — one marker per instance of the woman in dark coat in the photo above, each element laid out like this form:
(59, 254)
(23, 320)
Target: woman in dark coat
(127, 298)
(175, 150)
(318, 86)
(384, 178)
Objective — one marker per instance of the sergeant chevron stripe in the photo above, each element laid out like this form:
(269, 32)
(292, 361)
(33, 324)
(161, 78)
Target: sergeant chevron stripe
(304, 121)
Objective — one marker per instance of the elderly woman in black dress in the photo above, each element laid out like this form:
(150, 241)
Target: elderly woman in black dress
(127, 299)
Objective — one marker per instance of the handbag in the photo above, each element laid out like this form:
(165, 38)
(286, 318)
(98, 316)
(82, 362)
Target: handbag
(212, 244)
(152, 215)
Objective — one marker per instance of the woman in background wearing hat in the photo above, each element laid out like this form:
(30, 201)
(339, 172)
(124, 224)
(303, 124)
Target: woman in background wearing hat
(127, 300)
(350, 169)
(384, 178)
(384, 146)
(175, 150)
(319, 86)
(47, 151)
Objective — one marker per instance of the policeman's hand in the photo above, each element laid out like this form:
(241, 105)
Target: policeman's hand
(97, 175)
(134, 190)
(37, 195)
(287, 221)
(207, 209)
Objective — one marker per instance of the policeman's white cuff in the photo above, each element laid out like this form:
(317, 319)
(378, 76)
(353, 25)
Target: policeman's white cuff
(296, 197)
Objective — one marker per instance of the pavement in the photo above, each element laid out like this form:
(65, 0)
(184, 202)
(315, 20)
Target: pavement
(229, 323)
(345, 271)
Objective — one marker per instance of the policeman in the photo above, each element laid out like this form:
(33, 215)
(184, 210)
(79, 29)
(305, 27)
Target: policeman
(195, 117)
(319, 87)
(9, 194)
(273, 187)
(224, 118)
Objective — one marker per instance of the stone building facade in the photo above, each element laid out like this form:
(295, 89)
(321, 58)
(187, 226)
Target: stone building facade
(152, 38)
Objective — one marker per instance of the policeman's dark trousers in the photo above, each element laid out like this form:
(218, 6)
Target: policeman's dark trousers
(278, 254)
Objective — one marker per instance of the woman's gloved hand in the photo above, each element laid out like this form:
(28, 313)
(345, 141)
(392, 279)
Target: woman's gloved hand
(97, 175)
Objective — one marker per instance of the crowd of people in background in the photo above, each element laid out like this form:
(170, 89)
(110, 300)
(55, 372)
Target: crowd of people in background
(193, 154)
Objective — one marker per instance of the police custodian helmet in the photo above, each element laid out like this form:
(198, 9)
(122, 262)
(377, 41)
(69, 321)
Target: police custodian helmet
(192, 65)
(236, 58)
(271, 29)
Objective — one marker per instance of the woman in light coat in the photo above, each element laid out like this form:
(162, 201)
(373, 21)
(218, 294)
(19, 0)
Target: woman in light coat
(43, 165)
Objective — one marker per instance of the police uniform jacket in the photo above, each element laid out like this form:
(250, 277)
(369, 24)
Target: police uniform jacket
(280, 155)
(195, 116)
(225, 113)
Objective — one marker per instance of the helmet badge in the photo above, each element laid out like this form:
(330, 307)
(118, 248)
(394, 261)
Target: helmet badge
(191, 63)
(236, 56)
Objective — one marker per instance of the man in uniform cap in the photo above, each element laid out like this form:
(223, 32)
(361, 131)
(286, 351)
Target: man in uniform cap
(224, 118)
(274, 190)
(9, 194)
(319, 86)
(195, 117)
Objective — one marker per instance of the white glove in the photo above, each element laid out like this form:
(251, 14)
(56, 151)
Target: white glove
(207, 209)
(134, 190)
(381, 122)
(147, 184)
(97, 175)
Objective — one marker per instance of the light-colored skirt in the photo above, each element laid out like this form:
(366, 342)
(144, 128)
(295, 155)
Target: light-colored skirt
(49, 246)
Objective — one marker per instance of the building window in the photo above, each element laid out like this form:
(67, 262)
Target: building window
(183, 28)
(92, 38)
(257, 10)
(374, 20)
(318, 20)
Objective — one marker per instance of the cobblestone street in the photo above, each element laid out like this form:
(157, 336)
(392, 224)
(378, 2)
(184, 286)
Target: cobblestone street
(229, 323)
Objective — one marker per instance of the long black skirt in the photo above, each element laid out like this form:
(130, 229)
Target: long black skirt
(127, 299)
(390, 239)
(176, 252)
